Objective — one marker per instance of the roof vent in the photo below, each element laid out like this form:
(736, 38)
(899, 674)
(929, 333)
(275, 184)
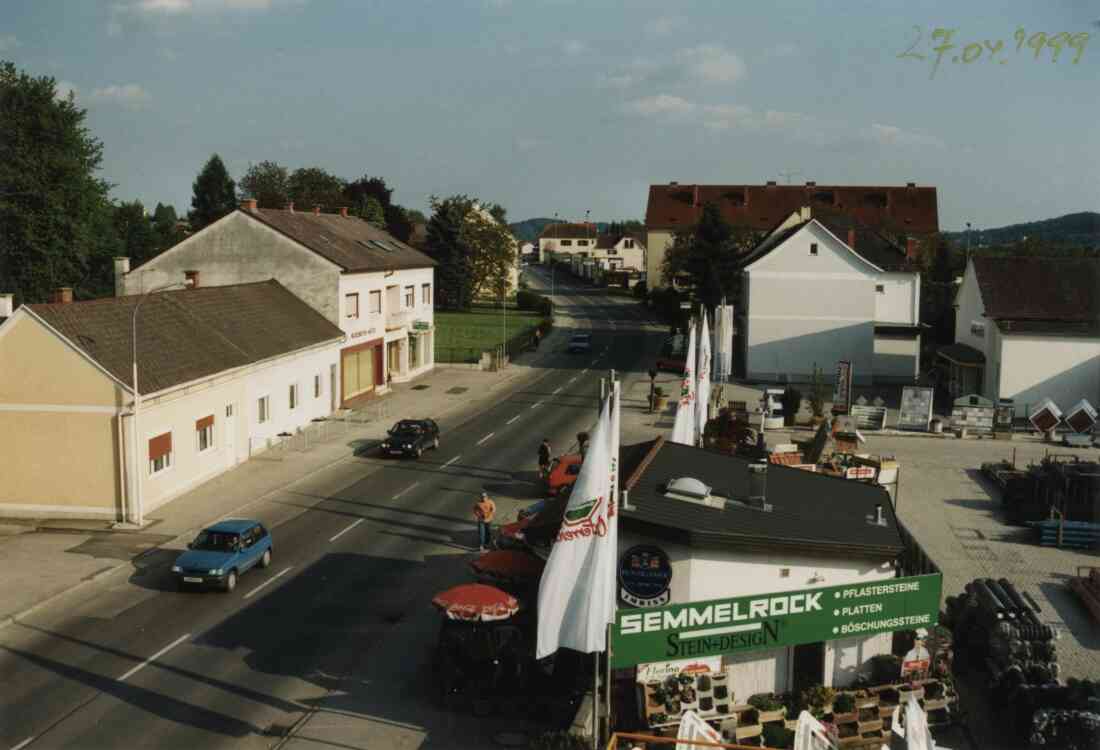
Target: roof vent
(879, 518)
(691, 490)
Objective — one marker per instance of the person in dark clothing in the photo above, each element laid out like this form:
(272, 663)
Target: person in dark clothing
(538, 337)
(544, 458)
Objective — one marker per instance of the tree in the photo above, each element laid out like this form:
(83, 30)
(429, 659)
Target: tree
(708, 256)
(492, 252)
(313, 186)
(397, 222)
(267, 183)
(498, 212)
(372, 213)
(446, 244)
(357, 192)
(136, 232)
(416, 217)
(55, 217)
(214, 194)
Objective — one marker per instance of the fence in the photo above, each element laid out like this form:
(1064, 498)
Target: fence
(320, 430)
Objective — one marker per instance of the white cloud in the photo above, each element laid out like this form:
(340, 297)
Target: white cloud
(180, 7)
(130, 94)
(665, 25)
(573, 47)
(891, 135)
(713, 64)
(776, 119)
(8, 43)
(661, 104)
(728, 116)
(64, 88)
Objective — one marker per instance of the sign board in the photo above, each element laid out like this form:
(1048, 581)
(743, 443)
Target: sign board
(842, 390)
(662, 670)
(972, 412)
(645, 575)
(859, 472)
(916, 408)
(767, 621)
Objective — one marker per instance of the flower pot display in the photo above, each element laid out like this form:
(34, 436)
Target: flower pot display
(705, 693)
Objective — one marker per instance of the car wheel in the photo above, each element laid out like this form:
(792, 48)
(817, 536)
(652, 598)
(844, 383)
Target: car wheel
(231, 581)
(435, 444)
(266, 559)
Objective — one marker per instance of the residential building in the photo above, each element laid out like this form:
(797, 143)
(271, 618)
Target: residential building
(378, 290)
(612, 253)
(671, 208)
(566, 239)
(223, 372)
(1027, 329)
(823, 287)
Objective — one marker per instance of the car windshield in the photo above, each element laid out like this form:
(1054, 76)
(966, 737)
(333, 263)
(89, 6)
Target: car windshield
(215, 541)
(406, 425)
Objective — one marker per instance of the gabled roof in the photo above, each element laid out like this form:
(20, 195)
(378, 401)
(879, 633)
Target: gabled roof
(1041, 295)
(189, 334)
(347, 241)
(810, 512)
(873, 247)
(904, 209)
(608, 241)
(567, 231)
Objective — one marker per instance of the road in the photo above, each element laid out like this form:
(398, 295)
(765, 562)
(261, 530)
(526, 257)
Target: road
(359, 548)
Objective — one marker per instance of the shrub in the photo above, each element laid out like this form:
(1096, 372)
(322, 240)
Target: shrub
(817, 698)
(817, 394)
(558, 740)
(778, 736)
(765, 702)
(885, 669)
(792, 402)
(639, 290)
(844, 703)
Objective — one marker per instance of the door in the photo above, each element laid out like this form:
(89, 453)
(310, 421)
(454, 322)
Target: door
(807, 667)
(230, 437)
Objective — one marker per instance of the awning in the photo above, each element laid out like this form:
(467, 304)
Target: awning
(962, 355)
(476, 602)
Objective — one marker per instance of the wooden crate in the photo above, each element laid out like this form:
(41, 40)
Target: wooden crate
(870, 726)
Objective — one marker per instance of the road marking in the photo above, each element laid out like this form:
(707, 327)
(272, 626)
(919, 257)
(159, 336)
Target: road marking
(513, 419)
(571, 381)
(451, 461)
(557, 392)
(479, 442)
(273, 578)
(537, 403)
(402, 492)
(585, 370)
(349, 528)
(151, 659)
(23, 744)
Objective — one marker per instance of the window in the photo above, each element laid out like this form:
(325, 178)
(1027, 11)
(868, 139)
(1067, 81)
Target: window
(567, 243)
(628, 243)
(375, 301)
(977, 328)
(160, 453)
(582, 243)
(880, 288)
(426, 294)
(813, 248)
(294, 396)
(317, 386)
(351, 305)
(612, 251)
(410, 296)
(263, 409)
(229, 410)
(204, 433)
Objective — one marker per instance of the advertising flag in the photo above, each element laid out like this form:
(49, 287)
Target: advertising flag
(683, 430)
(702, 389)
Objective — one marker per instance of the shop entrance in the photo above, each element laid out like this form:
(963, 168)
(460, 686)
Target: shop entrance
(807, 667)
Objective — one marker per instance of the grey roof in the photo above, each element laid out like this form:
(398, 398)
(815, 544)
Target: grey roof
(811, 512)
(190, 334)
(347, 241)
(870, 245)
(1041, 295)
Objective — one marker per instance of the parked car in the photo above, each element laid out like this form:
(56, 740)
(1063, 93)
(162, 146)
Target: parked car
(563, 474)
(673, 357)
(221, 553)
(411, 437)
(580, 343)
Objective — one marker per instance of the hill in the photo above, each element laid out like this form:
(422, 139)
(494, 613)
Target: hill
(529, 230)
(1072, 230)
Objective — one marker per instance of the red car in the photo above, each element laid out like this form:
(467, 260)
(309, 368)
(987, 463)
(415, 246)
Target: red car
(563, 473)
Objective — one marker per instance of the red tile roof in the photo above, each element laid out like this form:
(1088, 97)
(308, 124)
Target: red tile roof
(1041, 295)
(905, 209)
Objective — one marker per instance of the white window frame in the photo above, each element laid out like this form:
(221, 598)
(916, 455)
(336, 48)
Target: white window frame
(567, 243)
(351, 299)
(375, 295)
(977, 328)
(165, 461)
(582, 243)
(292, 396)
(410, 296)
(880, 288)
(263, 409)
(628, 244)
(426, 294)
(208, 431)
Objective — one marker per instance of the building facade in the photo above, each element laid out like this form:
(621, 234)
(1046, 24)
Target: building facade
(566, 239)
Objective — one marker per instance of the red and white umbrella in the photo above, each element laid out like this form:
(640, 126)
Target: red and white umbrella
(476, 602)
(515, 529)
(508, 566)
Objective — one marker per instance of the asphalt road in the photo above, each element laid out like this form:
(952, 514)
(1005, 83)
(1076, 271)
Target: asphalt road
(140, 664)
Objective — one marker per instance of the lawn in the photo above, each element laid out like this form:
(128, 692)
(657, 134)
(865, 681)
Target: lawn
(460, 336)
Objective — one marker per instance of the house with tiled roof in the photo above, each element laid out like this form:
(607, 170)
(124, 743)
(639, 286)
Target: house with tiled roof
(611, 253)
(824, 287)
(1026, 329)
(893, 210)
(566, 239)
(223, 372)
(377, 289)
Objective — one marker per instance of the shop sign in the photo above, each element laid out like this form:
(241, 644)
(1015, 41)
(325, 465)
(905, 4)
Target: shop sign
(859, 472)
(767, 621)
(361, 334)
(842, 391)
(645, 575)
(662, 670)
(916, 662)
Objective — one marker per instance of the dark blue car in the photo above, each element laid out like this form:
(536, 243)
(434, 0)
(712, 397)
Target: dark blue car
(221, 553)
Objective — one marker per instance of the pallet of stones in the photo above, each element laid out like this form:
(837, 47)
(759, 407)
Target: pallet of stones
(708, 695)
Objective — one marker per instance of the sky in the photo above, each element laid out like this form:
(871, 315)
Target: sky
(567, 106)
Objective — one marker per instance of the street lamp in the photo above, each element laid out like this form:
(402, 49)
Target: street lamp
(137, 514)
(968, 241)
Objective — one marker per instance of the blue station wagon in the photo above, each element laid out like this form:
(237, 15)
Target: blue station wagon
(221, 553)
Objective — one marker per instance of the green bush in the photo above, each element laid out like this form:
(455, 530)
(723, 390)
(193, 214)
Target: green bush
(639, 290)
(844, 703)
(765, 702)
(558, 740)
(778, 736)
(817, 394)
(792, 402)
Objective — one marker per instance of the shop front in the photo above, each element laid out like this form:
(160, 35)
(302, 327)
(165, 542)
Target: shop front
(361, 370)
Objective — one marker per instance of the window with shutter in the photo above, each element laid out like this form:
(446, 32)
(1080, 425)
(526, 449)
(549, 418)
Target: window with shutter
(160, 453)
(204, 433)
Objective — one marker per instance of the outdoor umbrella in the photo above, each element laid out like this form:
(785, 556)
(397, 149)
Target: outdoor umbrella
(476, 602)
(508, 566)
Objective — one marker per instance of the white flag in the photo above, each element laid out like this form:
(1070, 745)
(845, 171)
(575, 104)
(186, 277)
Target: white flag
(723, 346)
(683, 430)
(702, 390)
(615, 507)
(577, 589)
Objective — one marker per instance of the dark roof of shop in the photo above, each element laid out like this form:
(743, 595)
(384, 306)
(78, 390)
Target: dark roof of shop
(961, 354)
(811, 512)
(1041, 295)
(761, 207)
(189, 334)
(869, 244)
(347, 241)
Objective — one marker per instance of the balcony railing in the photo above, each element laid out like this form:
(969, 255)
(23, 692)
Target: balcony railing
(395, 320)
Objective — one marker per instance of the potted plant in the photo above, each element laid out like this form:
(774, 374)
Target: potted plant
(660, 399)
(844, 708)
(768, 705)
(778, 736)
(818, 699)
(817, 399)
(792, 402)
(658, 696)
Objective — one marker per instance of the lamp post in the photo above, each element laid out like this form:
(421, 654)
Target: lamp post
(968, 242)
(136, 513)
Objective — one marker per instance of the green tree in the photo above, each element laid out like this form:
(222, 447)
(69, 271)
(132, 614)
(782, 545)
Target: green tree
(372, 213)
(491, 249)
(397, 222)
(136, 232)
(708, 257)
(416, 217)
(357, 192)
(446, 244)
(267, 183)
(55, 216)
(498, 212)
(214, 194)
(313, 186)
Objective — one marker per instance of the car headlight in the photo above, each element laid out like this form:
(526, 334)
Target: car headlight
(177, 569)
(385, 445)
(216, 572)
(407, 445)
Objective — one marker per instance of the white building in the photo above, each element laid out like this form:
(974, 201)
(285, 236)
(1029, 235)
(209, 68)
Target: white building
(823, 288)
(224, 372)
(565, 239)
(378, 290)
(1027, 329)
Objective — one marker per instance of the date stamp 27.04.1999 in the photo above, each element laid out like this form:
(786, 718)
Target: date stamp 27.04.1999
(993, 51)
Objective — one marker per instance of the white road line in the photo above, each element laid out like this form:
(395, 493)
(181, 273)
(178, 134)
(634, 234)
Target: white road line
(571, 381)
(151, 659)
(513, 419)
(585, 370)
(23, 744)
(349, 528)
(273, 578)
(451, 461)
(557, 392)
(479, 442)
(402, 492)
(537, 403)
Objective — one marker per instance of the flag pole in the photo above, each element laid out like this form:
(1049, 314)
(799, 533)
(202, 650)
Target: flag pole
(595, 700)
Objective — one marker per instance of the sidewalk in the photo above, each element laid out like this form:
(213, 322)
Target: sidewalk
(45, 560)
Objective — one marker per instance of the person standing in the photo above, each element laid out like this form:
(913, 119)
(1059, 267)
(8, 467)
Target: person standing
(484, 510)
(538, 337)
(544, 458)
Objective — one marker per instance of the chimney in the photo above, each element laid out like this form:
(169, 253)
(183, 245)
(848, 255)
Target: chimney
(122, 267)
(771, 183)
(344, 211)
(290, 206)
(63, 295)
(758, 484)
(695, 197)
(852, 238)
(316, 210)
(248, 204)
(192, 278)
(811, 183)
(910, 248)
(7, 305)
